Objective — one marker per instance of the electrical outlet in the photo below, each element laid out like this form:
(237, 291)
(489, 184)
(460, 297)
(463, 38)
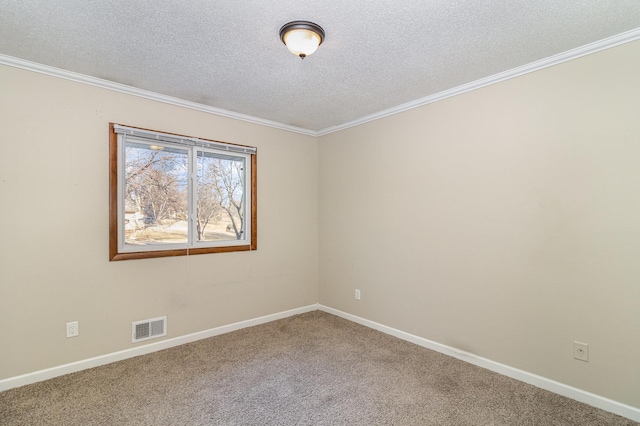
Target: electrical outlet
(72, 329)
(581, 351)
(357, 294)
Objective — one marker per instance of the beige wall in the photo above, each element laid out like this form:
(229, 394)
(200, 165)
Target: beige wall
(504, 222)
(54, 264)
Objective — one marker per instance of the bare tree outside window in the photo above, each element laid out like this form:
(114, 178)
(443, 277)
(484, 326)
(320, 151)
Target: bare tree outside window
(207, 202)
(157, 188)
(173, 195)
(156, 184)
(221, 183)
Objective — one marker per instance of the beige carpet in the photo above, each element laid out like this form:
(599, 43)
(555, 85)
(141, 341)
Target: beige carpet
(311, 369)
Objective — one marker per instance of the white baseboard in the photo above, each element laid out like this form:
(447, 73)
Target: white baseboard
(597, 401)
(37, 376)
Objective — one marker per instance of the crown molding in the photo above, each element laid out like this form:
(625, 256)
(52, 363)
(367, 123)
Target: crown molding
(134, 91)
(569, 55)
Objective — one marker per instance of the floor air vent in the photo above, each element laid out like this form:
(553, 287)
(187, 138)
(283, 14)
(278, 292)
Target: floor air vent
(148, 329)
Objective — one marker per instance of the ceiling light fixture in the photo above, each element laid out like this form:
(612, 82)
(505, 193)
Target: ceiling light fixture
(302, 38)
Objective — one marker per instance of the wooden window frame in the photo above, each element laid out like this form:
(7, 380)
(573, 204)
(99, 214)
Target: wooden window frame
(114, 204)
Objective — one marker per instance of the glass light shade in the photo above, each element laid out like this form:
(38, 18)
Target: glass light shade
(302, 38)
(302, 42)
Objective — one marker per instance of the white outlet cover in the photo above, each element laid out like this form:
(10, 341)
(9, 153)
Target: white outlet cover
(72, 329)
(581, 351)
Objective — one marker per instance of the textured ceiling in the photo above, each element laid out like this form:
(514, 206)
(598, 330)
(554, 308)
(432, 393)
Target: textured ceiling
(377, 54)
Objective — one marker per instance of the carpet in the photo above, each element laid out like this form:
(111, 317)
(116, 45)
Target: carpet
(309, 369)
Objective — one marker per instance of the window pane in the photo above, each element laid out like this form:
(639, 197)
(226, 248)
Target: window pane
(156, 194)
(172, 195)
(220, 197)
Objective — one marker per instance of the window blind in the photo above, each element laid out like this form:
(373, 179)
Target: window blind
(181, 140)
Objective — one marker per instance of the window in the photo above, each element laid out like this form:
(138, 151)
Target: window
(172, 195)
